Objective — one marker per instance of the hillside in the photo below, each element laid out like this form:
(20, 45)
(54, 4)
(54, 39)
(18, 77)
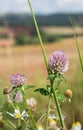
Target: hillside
(43, 20)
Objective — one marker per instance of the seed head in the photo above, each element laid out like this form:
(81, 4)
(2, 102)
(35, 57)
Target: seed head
(68, 93)
(7, 90)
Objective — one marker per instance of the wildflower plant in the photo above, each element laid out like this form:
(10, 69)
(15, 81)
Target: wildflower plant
(24, 117)
(16, 95)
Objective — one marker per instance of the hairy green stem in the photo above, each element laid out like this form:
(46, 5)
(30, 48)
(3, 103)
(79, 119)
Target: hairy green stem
(38, 33)
(29, 111)
(81, 63)
(18, 123)
(48, 109)
(58, 107)
(45, 59)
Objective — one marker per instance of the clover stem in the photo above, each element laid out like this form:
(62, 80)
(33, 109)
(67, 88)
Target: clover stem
(29, 111)
(48, 109)
(58, 107)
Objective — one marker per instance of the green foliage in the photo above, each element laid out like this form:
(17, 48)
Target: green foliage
(23, 39)
(51, 76)
(60, 96)
(42, 91)
(26, 39)
(29, 128)
(26, 86)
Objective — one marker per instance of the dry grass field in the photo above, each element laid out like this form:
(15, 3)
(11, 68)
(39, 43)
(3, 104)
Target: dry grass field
(61, 30)
(29, 61)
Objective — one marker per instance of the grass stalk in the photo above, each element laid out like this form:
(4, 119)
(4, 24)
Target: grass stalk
(11, 125)
(38, 33)
(76, 41)
(45, 59)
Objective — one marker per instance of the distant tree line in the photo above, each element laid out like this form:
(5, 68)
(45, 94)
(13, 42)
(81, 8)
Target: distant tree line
(43, 20)
(24, 39)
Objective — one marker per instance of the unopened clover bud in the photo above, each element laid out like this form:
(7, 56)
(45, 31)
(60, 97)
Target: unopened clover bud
(68, 93)
(7, 90)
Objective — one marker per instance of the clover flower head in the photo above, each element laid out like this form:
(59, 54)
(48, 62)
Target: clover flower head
(58, 62)
(32, 103)
(18, 97)
(17, 79)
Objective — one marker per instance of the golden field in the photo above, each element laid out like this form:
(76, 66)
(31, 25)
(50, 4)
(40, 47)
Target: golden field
(29, 61)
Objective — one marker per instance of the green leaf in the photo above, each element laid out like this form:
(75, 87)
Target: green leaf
(42, 91)
(14, 92)
(60, 97)
(26, 86)
(58, 80)
(49, 88)
(51, 76)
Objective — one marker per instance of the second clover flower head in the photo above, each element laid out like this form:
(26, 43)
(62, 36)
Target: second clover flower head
(32, 103)
(58, 62)
(17, 79)
(18, 97)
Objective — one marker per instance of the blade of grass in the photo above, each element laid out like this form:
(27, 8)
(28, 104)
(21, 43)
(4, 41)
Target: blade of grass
(76, 41)
(46, 63)
(38, 33)
(11, 125)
